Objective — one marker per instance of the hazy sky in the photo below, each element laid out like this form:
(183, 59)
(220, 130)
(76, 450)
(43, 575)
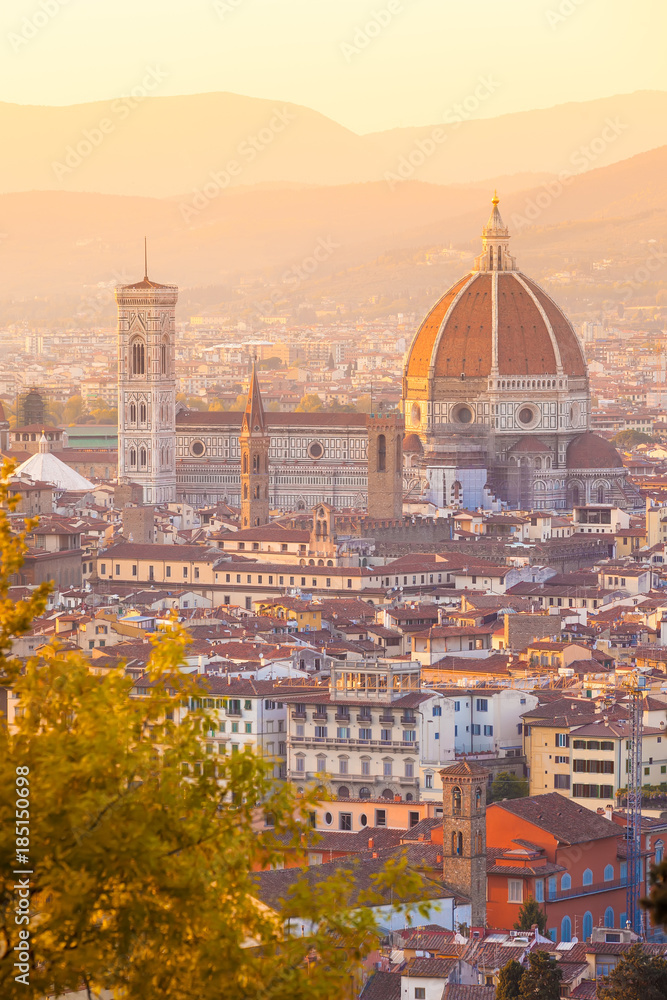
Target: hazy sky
(367, 65)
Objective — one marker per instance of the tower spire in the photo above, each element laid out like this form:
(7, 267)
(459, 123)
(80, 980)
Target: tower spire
(495, 255)
(253, 417)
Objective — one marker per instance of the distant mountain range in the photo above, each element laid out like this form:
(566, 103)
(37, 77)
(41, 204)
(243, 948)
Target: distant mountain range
(62, 244)
(172, 146)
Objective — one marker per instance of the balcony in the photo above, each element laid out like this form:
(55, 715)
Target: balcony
(235, 712)
(387, 718)
(319, 716)
(408, 720)
(368, 719)
(586, 890)
(298, 715)
(335, 741)
(342, 716)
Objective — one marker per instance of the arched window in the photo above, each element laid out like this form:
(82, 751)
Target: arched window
(382, 453)
(587, 877)
(164, 347)
(399, 452)
(456, 801)
(255, 463)
(659, 851)
(142, 458)
(343, 792)
(256, 494)
(245, 491)
(364, 793)
(133, 457)
(245, 464)
(601, 494)
(491, 258)
(609, 873)
(138, 357)
(587, 925)
(566, 929)
(566, 882)
(479, 847)
(478, 799)
(459, 843)
(142, 413)
(609, 917)
(500, 257)
(133, 413)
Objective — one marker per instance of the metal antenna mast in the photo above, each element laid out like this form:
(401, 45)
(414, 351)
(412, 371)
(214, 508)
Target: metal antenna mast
(634, 806)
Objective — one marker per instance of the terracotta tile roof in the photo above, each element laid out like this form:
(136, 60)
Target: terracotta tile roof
(382, 986)
(456, 991)
(419, 357)
(563, 818)
(465, 769)
(429, 968)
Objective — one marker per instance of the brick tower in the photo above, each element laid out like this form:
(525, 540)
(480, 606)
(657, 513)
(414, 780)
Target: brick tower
(255, 443)
(385, 466)
(464, 834)
(147, 388)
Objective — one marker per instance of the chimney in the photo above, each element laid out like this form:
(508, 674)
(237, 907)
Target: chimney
(370, 843)
(375, 854)
(438, 859)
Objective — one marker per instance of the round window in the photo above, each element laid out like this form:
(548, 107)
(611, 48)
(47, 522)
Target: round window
(363, 819)
(328, 819)
(198, 448)
(416, 413)
(464, 415)
(315, 449)
(526, 415)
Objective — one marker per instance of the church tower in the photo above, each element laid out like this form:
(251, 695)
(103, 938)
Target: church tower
(147, 388)
(255, 443)
(464, 834)
(385, 466)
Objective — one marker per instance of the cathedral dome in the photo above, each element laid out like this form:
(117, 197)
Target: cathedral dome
(590, 451)
(495, 320)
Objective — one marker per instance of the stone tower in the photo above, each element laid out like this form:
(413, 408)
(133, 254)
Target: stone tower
(464, 834)
(322, 543)
(255, 443)
(147, 388)
(385, 466)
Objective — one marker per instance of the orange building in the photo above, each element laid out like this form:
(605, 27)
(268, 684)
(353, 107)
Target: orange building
(565, 856)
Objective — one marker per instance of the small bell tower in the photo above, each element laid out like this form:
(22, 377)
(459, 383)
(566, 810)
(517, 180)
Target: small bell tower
(255, 444)
(464, 833)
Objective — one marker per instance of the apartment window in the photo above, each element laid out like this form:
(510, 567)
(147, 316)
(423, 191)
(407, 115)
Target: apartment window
(345, 821)
(300, 765)
(409, 770)
(320, 732)
(380, 817)
(488, 730)
(365, 767)
(134, 570)
(167, 571)
(562, 740)
(428, 781)
(365, 734)
(457, 706)
(476, 730)
(409, 736)
(437, 710)
(514, 890)
(561, 780)
(343, 732)
(321, 764)
(235, 727)
(248, 727)
(482, 705)
(539, 890)
(420, 993)
(342, 765)
(387, 768)
(117, 569)
(385, 735)
(247, 705)
(103, 569)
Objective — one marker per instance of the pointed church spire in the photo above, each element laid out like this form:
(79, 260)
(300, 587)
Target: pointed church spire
(253, 417)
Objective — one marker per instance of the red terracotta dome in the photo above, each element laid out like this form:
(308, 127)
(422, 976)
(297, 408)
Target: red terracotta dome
(514, 328)
(497, 321)
(412, 445)
(590, 451)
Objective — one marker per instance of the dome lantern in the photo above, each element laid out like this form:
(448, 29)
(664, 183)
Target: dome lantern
(495, 255)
